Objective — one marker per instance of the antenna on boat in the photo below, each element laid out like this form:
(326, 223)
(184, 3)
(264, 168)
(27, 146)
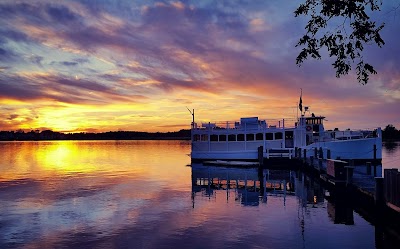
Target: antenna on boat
(191, 112)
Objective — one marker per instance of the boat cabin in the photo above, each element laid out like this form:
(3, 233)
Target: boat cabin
(314, 128)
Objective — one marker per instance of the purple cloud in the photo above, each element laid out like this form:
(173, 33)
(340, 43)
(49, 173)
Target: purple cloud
(103, 52)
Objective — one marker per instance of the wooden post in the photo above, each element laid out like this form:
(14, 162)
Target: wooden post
(393, 191)
(397, 192)
(245, 181)
(321, 153)
(305, 155)
(320, 160)
(375, 161)
(260, 156)
(379, 192)
(315, 152)
(328, 154)
(368, 168)
(349, 174)
(264, 185)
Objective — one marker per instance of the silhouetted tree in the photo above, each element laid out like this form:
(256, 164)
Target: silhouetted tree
(390, 132)
(346, 39)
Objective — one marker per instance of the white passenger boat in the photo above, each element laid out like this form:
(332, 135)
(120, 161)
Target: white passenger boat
(241, 140)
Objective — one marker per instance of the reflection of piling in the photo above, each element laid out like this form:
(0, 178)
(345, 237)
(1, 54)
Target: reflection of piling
(262, 177)
(260, 156)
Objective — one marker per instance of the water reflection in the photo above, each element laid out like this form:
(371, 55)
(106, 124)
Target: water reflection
(391, 147)
(391, 155)
(247, 186)
(141, 194)
(250, 187)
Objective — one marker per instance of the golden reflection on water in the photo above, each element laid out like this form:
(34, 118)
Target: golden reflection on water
(63, 157)
(43, 159)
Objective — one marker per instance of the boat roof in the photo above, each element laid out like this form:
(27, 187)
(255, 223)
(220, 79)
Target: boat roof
(319, 117)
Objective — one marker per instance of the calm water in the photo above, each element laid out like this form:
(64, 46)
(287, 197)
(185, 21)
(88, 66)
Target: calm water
(142, 194)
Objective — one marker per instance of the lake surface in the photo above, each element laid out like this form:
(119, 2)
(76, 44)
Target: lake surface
(143, 194)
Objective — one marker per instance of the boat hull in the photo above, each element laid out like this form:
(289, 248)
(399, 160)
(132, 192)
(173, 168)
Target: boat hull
(250, 155)
(359, 150)
(356, 149)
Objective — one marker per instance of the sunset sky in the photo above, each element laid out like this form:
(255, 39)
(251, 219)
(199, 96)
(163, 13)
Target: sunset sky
(95, 66)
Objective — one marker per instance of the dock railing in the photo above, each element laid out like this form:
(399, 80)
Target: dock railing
(392, 188)
(280, 153)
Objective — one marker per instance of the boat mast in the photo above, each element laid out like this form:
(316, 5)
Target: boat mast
(191, 112)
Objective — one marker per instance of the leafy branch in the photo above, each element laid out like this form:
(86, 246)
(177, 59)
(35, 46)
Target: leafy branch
(346, 47)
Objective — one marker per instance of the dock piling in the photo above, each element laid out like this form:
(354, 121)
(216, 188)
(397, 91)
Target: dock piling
(379, 192)
(349, 174)
(261, 155)
(368, 168)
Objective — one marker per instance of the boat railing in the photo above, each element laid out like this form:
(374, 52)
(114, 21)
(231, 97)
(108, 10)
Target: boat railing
(349, 134)
(232, 125)
(280, 153)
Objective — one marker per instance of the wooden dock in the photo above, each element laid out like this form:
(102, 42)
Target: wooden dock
(375, 194)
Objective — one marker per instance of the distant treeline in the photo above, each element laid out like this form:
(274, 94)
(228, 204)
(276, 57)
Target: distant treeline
(390, 133)
(111, 135)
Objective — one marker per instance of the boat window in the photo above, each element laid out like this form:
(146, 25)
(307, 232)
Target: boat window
(232, 137)
(214, 138)
(204, 137)
(289, 134)
(269, 136)
(249, 137)
(240, 137)
(196, 137)
(222, 138)
(259, 136)
(278, 135)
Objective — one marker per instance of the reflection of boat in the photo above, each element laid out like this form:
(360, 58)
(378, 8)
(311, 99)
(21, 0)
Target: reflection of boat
(249, 187)
(248, 184)
(241, 140)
